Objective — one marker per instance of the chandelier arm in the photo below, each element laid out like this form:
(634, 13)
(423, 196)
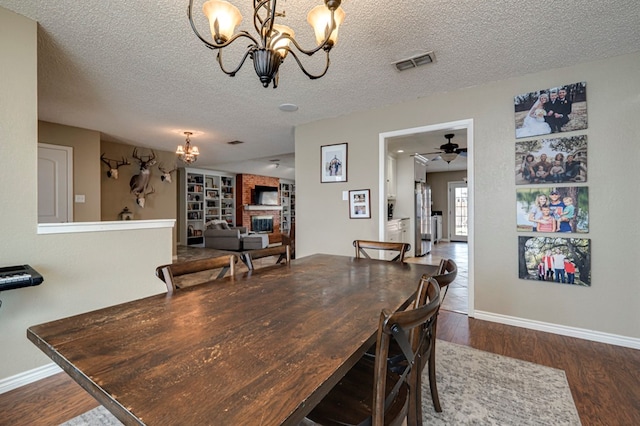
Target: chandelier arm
(307, 73)
(214, 45)
(324, 45)
(264, 27)
(244, 58)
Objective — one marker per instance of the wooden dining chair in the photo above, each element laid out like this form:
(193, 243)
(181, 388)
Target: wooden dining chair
(370, 391)
(283, 252)
(289, 239)
(363, 245)
(447, 272)
(396, 358)
(168, 273)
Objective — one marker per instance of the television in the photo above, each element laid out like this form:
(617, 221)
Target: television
(266, 195)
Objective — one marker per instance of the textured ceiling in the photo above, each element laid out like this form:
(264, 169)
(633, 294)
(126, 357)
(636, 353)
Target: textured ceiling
(136, 72)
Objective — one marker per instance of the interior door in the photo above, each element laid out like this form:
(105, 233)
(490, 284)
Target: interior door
(458, 211)
(55, 183)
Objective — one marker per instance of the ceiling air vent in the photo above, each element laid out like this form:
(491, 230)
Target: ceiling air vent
(414, 61)
(235, 142)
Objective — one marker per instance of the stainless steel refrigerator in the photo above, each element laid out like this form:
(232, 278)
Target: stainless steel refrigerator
(422, 241)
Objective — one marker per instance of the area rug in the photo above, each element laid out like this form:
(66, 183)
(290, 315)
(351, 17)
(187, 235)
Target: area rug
(482, 388)
(475, 388)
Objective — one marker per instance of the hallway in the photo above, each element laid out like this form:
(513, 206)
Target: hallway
(457, 295)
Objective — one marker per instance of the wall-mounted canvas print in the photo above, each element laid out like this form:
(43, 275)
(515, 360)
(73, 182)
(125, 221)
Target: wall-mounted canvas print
(359, 204)
(562, 209)
(333, 163)
(553, 110)
(551, 160)
(560, 260)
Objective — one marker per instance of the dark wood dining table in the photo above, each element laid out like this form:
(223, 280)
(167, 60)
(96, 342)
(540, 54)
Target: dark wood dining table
(262, 348)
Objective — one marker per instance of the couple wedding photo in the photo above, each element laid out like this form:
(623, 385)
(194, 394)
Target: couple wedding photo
(554, 110)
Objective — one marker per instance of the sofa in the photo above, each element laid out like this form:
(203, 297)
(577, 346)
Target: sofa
(219, 235)
(224, 238)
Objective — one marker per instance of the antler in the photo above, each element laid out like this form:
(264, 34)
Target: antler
(162, 169)
(105, 160)
(124, 162)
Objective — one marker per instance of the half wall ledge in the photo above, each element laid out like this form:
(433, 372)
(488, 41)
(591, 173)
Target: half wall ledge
(116, 225)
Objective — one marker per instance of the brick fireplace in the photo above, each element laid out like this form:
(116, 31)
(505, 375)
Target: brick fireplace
(245, 209)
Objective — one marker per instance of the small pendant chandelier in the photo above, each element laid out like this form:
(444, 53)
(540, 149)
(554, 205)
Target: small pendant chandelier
(188, 154)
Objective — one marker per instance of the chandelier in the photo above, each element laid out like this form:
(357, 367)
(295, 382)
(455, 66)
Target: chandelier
(188, 154)
(271, 45)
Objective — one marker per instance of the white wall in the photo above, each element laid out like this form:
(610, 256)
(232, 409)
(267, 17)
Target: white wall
(81, 272)
(612, 303)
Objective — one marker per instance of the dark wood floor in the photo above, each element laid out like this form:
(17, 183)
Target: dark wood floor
(604, 379)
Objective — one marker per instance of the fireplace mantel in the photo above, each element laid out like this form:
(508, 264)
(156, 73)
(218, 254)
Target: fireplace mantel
(256, 207)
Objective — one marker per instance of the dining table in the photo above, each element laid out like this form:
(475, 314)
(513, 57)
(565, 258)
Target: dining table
(260, 348)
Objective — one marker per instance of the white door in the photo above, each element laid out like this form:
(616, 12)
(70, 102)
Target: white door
(458, 211)
(55, 183)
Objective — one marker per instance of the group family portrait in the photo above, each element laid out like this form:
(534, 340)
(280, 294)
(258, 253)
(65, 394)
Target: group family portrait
(559, 160)
(559, 260)
(563, 209)
(333, 162)
(553, 110)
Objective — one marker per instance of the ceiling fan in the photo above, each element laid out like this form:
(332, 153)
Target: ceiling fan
(450, 150)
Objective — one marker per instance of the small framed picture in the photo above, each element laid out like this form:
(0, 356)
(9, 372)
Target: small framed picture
(333, 163)
(359, 204)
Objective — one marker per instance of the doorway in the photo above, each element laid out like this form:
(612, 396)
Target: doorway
(55, 183)
(458, 211)
(467, 127)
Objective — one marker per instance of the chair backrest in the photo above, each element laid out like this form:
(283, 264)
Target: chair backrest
(409, 329)
(290, 239)
(447, 272)
(363, 245)
(168, 273)
(283, 252)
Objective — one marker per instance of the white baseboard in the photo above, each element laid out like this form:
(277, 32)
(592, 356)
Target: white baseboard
(21, 379)
(580, 333)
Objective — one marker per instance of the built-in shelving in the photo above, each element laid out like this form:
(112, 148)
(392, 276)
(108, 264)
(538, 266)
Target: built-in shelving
(204, 196)
(288, 204)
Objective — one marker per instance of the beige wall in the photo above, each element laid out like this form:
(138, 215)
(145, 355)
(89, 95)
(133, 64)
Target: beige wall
(81, 271)
(612, 303)
(86, 180)
(116, 194)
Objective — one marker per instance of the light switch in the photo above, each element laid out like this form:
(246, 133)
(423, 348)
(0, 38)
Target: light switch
(345, 195)
(79, 198)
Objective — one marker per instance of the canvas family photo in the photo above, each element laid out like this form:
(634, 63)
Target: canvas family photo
(556, 160)
(562, 209)
(553, 110)
(560, 260)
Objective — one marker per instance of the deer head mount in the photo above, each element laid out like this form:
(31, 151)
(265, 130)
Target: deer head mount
(113, 165)
(140, 182)
(166, 174)
(140, 198)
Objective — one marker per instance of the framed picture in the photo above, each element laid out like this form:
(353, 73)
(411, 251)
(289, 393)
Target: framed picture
(333, 163)
(555, 259)
(359, 204)
(551, 160)
(559, 209)
(553, 110)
